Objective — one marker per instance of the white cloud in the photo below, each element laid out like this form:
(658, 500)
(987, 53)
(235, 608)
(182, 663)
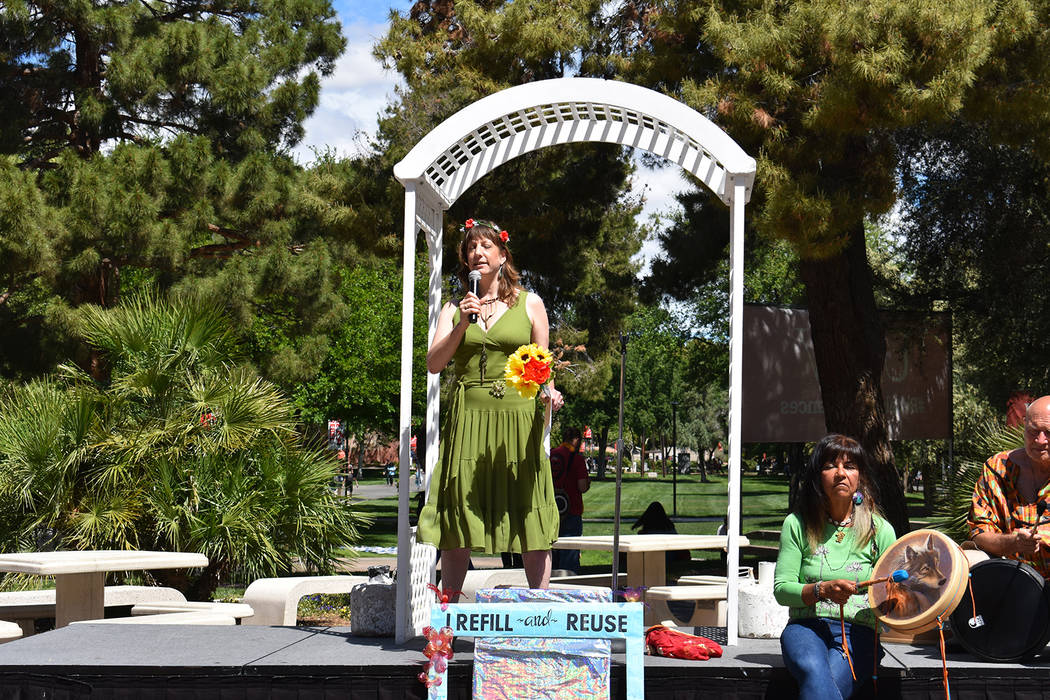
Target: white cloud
(351, 98)
(659, 186)
(359, 89)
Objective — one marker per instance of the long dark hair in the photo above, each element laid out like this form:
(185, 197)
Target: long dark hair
(813, 503)
(508, 275)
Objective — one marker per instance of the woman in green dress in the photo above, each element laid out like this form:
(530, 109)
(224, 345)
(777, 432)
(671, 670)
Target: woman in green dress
(492, 490)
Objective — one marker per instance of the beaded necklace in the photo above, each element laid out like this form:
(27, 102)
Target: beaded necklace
(841, 526)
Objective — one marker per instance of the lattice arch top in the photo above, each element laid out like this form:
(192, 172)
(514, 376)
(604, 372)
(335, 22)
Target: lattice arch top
(510, 123)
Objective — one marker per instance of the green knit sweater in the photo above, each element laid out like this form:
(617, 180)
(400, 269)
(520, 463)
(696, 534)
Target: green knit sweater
(797, 565)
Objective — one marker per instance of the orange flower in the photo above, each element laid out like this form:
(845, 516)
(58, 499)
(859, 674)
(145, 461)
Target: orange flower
(528, 368)
(536, 371)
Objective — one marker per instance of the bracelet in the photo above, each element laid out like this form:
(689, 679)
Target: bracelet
(817, 592)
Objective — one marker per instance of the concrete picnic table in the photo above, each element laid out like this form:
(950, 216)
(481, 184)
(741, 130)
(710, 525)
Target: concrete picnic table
(646, 563)
(80, 576)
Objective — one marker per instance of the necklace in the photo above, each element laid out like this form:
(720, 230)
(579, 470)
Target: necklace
(841, 524)
(485, 318)
(493, 305)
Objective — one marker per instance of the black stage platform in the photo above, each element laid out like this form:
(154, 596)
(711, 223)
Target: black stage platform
(122, 662)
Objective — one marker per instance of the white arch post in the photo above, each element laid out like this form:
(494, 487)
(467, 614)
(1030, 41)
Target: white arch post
(496, 129)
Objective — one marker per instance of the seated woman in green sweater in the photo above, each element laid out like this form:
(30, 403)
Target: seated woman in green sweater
(829, 544)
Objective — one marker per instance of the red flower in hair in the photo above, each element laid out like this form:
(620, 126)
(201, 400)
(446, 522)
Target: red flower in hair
(469, 224)
(504, 236)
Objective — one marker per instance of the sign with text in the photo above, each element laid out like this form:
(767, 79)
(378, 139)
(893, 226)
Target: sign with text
(781, 389)
(578, 621)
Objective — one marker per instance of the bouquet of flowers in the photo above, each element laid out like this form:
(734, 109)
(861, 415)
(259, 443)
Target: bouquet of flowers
(529, 368)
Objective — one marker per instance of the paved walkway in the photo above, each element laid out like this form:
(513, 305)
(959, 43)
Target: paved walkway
(361, 564)
(368, 492)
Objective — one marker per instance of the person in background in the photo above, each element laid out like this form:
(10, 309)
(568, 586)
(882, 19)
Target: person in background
(341, 478)
(828, 545)
(571, 481)
(1009, 504)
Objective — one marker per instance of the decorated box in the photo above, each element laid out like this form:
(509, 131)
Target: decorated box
(510, 668)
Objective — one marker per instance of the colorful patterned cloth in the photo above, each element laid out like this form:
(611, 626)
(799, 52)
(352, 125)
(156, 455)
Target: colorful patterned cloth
(540, 668)
(996, 506)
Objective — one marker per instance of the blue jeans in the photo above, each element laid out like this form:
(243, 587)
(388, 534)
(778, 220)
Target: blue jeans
(571, 526)
(812, 649)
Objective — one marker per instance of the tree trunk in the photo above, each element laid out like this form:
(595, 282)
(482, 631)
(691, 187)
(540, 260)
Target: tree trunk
(663, 455)
(796, 460)
(603, 461)
(88, 84)
(641, 464)
(849, 344)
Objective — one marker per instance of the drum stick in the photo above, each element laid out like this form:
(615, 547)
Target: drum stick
(897, 576)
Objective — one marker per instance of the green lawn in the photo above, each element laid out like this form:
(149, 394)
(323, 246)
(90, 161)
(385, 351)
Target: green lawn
(764, 507)
(765, 497)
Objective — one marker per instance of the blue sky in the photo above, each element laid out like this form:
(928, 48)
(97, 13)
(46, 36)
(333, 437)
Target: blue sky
(368, 11)
(353, 97)
(356, 93)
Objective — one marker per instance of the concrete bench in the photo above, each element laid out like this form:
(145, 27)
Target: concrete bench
(709, 604)
(275, 601)
(9, 631)
(200, 617)
(747, 573)
(237, 611)
(762, 551)
(24, 607)
(477, 579)
(591, 579)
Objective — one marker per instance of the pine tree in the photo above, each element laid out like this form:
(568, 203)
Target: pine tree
(144, 146)
(815, 90)
(243, 73)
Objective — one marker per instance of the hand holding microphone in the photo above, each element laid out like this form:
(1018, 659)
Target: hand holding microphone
(473, 280)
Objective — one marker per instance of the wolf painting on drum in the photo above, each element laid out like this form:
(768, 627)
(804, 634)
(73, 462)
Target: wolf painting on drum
(937, 571)
(923, 585)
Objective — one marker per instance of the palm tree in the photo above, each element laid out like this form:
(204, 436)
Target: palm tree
(989, 438)
(181, 449)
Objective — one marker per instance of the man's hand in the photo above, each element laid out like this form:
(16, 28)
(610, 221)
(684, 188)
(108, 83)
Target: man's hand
(1026, 541)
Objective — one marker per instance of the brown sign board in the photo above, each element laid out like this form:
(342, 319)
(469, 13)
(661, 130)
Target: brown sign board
(781, 392)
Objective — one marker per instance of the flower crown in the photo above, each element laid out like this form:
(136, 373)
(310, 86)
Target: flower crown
(471, 223)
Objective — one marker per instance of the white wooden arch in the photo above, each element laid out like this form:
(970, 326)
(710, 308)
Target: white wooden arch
(494, 130)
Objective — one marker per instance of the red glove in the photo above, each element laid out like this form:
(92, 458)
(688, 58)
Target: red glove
(664, 641)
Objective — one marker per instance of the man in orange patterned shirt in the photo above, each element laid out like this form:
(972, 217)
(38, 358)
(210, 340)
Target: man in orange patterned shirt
(1011, 500)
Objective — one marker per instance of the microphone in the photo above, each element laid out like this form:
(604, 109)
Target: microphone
(473, 279)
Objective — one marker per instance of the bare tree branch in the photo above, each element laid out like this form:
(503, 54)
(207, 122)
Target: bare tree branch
(230, 233)
(161, 124)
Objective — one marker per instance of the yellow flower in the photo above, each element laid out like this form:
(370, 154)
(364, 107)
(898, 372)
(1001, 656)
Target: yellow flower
(528, 368)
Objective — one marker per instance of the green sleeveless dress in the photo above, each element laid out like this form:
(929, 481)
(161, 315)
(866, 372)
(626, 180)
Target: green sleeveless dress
(491, 490)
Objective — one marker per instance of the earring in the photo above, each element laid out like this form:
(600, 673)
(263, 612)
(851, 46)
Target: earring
(858, 498)
(500, 272)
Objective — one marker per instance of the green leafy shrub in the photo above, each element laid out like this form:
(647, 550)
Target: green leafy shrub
(181, 448)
